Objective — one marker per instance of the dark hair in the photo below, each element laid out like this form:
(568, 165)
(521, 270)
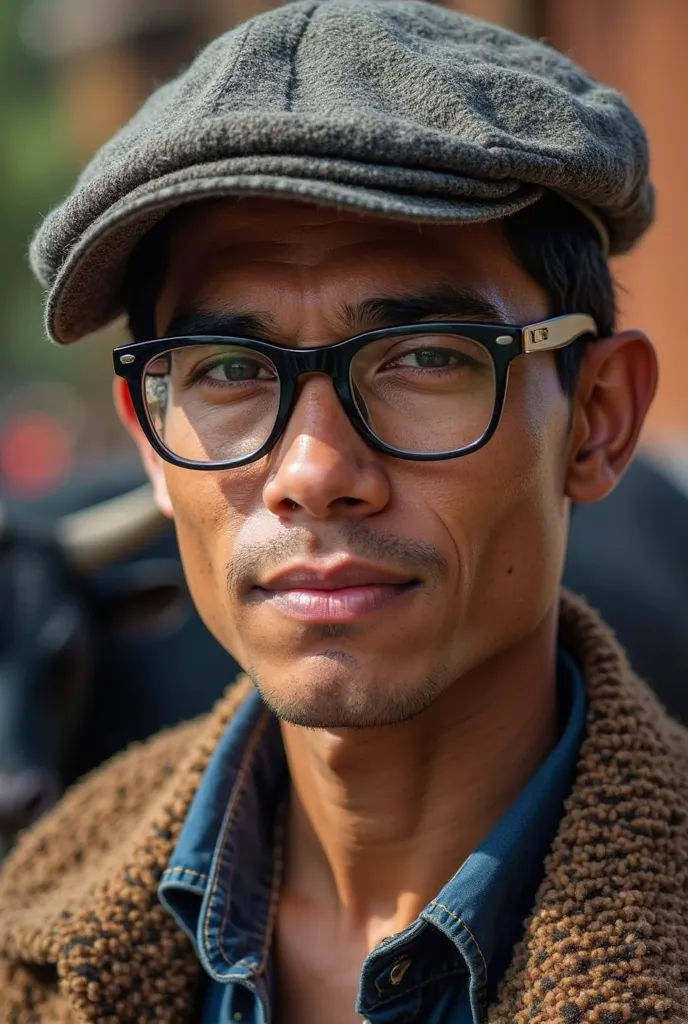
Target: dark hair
(561, 250)
(555, 243)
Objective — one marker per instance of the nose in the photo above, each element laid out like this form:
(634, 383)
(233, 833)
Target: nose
(24, 796)
(322, 467)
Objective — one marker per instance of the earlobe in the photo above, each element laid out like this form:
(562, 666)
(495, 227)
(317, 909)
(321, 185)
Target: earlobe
(616, 385)
(152, 463)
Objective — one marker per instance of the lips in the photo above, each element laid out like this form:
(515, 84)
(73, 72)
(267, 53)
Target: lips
(344, 593)
(348, 574)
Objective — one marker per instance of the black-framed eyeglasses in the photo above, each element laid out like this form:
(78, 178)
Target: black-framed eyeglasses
(424, 391)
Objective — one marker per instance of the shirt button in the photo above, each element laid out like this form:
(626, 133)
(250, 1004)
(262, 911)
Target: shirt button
(237, 1016)
(399, 969)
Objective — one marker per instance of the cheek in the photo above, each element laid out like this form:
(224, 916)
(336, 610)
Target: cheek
(528, 456)
(209, 514)
(505, 509)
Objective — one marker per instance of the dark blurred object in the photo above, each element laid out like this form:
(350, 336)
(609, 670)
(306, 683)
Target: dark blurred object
(628, 556)
(99, 642)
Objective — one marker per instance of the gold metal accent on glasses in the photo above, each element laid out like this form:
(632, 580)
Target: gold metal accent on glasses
(557, 332)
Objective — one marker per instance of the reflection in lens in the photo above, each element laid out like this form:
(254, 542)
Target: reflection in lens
(155, 391)
(425, 393)
(211, 403)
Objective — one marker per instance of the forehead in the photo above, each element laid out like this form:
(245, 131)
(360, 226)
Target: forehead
(266, 252)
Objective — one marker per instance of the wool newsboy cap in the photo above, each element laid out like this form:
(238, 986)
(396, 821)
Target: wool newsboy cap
(395, 107)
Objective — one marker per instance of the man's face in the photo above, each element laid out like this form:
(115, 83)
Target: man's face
(444, 565)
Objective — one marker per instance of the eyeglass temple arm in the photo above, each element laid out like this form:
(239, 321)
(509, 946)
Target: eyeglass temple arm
(557, 332)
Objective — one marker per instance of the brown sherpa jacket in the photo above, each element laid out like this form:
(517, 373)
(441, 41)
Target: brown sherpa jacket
(83, 937)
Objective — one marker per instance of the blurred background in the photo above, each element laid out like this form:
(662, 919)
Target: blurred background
(96, 652)
(72, 71)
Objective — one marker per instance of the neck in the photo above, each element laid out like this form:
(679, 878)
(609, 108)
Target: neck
(381, 819)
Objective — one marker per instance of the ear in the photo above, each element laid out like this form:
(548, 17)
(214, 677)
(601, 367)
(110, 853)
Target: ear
(152, 463)
(616, 385)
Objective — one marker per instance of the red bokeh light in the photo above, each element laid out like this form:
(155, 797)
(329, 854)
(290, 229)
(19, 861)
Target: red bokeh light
(36, 454)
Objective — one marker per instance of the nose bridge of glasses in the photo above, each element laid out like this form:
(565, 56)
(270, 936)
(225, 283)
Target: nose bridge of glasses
(331, 361)
(328, 359)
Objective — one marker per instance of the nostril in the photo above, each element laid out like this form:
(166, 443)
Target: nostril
(24, 796)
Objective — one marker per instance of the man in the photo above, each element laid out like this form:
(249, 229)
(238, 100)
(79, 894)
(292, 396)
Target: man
(362, 248)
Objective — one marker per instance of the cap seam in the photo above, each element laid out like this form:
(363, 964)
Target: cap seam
(291, 86)
(227, 81)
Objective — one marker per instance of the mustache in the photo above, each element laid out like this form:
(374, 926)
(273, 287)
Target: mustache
(255, 561)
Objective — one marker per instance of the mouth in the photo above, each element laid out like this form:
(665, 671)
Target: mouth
(340, 594)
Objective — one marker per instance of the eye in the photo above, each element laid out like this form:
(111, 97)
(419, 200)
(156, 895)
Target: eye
(433, 359)
(235, 369)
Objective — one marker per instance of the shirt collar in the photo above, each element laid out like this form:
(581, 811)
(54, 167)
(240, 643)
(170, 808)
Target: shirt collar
(223, 880)
(485, 904)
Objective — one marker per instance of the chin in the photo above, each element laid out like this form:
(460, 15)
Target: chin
(339, 695)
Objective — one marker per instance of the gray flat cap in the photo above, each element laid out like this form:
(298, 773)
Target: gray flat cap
(396, 107)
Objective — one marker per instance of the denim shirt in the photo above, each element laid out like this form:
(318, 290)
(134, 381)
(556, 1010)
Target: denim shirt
(223, 882)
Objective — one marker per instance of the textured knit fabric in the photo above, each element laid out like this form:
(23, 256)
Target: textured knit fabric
(84, 938)
(394, 107)
(223, 877)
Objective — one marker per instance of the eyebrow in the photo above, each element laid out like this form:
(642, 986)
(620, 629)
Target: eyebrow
(441, 301)
(227, 322)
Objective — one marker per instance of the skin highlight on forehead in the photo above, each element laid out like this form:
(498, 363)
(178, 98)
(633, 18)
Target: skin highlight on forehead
(236, 252)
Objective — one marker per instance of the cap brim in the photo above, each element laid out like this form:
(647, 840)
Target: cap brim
(87, 293)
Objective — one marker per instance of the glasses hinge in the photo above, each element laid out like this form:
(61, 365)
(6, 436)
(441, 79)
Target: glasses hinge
(536, 337)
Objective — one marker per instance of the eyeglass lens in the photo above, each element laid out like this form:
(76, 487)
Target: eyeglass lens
(422, 394)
